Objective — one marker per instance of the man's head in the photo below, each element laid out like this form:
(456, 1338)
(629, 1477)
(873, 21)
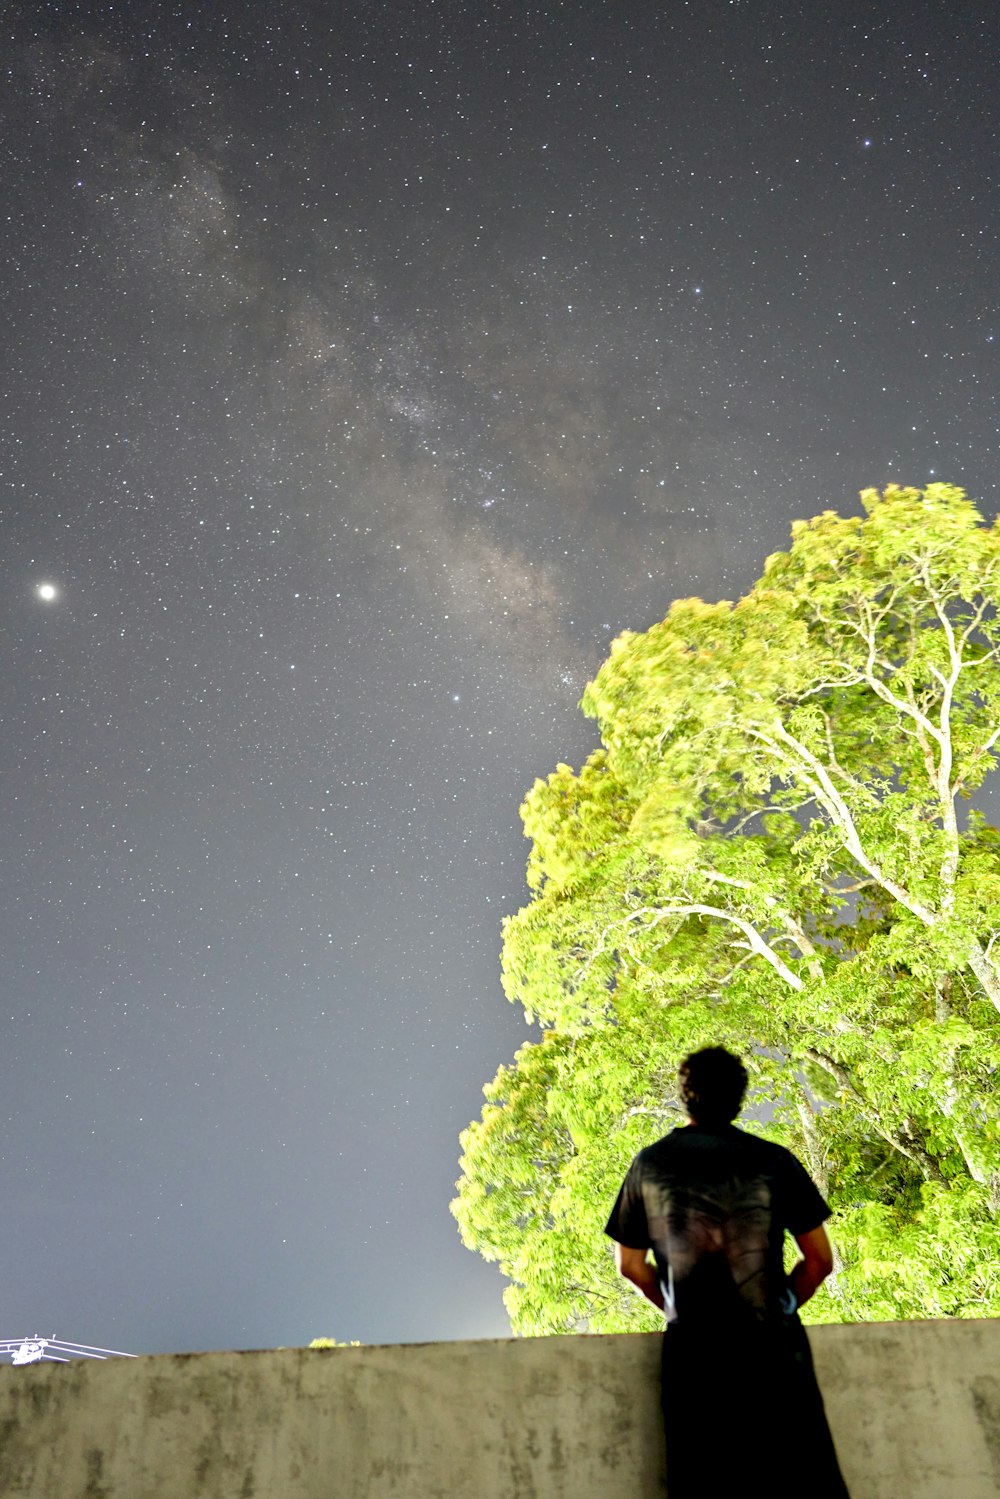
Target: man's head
(712, 1083)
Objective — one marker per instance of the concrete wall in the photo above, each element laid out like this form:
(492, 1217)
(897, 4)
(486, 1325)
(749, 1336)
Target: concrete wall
(915, 1409)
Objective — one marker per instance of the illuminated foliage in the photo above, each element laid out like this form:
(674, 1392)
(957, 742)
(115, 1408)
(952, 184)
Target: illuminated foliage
(773, 850)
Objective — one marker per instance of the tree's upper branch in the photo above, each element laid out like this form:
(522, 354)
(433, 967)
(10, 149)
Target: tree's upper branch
(685, 908)
(817, 777)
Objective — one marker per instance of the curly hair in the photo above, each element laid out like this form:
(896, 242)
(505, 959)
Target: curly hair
(711, 1084)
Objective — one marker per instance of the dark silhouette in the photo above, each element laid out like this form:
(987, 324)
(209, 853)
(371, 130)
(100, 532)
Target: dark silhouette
(740, 1401)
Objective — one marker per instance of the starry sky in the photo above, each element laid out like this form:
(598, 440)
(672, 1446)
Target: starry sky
(368, 367)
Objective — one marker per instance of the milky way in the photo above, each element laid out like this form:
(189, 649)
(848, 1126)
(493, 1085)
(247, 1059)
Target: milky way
(369, 368)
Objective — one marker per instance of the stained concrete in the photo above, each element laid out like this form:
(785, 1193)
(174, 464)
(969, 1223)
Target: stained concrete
(915, 1409)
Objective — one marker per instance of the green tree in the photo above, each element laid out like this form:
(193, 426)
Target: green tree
(774, 850)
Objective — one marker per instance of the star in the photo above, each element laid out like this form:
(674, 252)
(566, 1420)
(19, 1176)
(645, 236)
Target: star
(47, 592)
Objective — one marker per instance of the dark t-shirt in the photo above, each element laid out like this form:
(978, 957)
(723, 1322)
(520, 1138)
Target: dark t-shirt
(714, 1205)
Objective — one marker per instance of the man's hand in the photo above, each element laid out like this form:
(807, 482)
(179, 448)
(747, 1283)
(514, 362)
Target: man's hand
(814, 1266)
(634, 1266)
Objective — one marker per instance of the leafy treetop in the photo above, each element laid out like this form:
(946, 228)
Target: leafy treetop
(773, 849)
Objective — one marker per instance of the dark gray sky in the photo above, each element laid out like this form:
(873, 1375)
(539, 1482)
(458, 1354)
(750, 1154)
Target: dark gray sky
(368, 367)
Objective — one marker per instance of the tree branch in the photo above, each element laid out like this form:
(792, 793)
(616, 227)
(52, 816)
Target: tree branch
(695, 908)
(905, 1145)
(839, 812)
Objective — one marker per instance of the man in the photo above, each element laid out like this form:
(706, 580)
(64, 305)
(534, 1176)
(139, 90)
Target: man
(741, 1405)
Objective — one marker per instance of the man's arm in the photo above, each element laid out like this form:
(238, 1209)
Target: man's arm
(634, 1266)
(814, 1266)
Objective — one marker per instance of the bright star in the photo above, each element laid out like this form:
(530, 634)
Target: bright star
(46, 591)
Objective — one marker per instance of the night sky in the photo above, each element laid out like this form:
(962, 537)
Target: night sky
(367, 368)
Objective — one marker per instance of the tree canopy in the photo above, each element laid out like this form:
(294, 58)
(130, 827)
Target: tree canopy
(774, 849)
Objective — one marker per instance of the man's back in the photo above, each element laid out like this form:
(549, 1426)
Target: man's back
(740, 1399)
(714, 1205)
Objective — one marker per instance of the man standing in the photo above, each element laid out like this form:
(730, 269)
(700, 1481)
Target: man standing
(740, 1400)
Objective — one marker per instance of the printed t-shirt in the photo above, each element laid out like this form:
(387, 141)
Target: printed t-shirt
(714, 1204)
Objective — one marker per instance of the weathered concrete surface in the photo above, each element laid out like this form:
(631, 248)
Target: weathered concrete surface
(915, 1409)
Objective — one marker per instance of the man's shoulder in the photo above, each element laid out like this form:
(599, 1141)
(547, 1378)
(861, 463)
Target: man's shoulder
(759, 1142)
(778, 1157)
(684, 1142)
(664, 1146)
